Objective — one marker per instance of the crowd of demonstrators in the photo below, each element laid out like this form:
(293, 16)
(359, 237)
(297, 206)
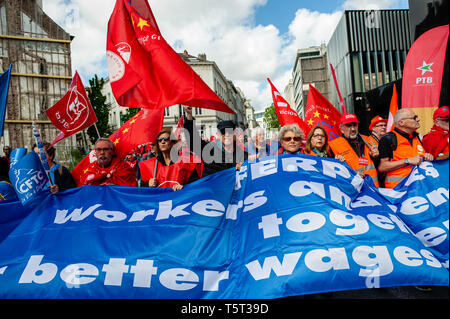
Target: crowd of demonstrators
(401, 149)
(163, 170)
(61, 178)
(108, 169)
(386, 157)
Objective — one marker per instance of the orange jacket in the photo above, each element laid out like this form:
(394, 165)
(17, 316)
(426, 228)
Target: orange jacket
(404, 150)
(364, 165)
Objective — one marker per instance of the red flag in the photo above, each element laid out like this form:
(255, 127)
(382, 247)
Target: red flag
(337, 88)
(73, 112)
(144, 70)
(286, 115)
(141, 128)
(393, 108)
(422, 75)
(179, 127)
(319, 111)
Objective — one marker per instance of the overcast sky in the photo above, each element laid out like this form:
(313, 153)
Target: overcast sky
(249, 40)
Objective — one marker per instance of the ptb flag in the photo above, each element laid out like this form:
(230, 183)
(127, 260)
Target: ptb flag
(422, 75)
(144, 71)
(73, 112)
(5, 77)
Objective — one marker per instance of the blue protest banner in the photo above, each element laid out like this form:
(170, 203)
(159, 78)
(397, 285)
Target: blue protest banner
(5, 78)
(27, 176)
(281, 226)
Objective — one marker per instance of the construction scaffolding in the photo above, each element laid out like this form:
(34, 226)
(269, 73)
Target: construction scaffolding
(39, 51)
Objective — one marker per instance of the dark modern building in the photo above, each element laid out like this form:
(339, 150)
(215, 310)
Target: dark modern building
(368, 50)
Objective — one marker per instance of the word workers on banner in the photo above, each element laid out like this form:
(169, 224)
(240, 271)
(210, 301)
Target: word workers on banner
(281, 226)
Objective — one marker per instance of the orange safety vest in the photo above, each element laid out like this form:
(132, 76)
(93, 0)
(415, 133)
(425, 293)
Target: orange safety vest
(404, 150)
(340, 146)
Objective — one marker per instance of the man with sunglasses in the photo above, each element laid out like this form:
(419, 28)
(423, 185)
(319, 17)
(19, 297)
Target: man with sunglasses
(219, 155)
(401, 149)
(108, 169)
(436, 141)
(358, 152)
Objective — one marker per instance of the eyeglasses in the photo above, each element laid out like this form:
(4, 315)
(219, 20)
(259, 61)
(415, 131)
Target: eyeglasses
(165, 139)
(442, 119)
(318, 135)
(415, 118)
(295, 138)
(98, 150)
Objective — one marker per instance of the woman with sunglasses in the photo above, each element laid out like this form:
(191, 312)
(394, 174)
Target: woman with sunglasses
(291, 139)
(169, 173)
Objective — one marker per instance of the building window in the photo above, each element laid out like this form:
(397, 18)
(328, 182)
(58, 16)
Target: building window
(166, 111)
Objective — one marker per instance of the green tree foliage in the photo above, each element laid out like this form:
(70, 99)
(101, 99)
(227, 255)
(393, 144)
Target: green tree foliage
(98, 101)
(270, 118)
(131, 111)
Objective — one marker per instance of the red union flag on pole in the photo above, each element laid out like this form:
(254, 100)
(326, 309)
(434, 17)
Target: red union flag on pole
(73, 112)
(319, 111)
(422, 75)
(286, 115)
(144, 71)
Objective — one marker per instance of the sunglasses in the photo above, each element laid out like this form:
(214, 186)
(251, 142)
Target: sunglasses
(415, 118)
(295, 138)
(165, 139)
(98, 150)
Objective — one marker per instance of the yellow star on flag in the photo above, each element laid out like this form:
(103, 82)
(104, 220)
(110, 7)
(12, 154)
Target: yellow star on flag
(142, 23)
(126, 130)
(325, 117)
(316, 114)
(310, 122)
(86, 170)
(132, 121)
(116, 141)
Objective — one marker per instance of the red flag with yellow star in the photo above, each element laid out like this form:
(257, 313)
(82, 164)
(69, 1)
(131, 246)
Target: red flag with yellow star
(319, 111)
(286, 115)
(144, 71)
(141, 128)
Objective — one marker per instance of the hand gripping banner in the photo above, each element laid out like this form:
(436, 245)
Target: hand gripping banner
(282, 226)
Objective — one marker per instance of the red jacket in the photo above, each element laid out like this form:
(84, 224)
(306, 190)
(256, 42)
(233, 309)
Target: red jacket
(118, 173)
(436, 142)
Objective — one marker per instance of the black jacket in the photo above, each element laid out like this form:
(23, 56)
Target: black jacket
(215, 158)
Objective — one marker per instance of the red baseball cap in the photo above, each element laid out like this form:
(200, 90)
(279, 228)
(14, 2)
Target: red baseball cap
(441, 112)
(375, 120)
(349, 118)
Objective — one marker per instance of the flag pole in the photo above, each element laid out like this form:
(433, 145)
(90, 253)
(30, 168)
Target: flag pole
(40, 146)
(337, 89)
(96, 129)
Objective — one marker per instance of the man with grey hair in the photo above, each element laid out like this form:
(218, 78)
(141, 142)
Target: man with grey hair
(108, 169)
(402, 148)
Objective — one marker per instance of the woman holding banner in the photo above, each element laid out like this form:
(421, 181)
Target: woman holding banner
(162, 170)
(60, 175)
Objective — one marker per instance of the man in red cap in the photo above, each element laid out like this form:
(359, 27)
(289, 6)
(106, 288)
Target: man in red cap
(355, 148)
(378, 126)
(436, 141)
